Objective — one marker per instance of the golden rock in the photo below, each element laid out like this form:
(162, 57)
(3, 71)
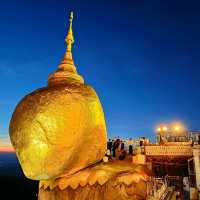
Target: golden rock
(59, 129)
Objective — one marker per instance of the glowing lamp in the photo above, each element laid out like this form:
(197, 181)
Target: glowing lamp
(164, 128)
(158, 129)
(177, 128)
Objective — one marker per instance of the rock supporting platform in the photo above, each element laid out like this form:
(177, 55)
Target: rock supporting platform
(104, 181)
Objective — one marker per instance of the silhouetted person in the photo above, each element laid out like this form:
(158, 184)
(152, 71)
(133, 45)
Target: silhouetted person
(122, 155)
(198, 139)
(122, 146)
(109, 145)
(130, 150)
(115, 146)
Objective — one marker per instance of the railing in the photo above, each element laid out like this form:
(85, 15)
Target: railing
(160, 150)
(157, 189)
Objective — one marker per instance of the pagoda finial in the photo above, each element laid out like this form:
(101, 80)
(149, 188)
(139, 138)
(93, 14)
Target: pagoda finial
(70, 37)
(66, 71)
(67, 63)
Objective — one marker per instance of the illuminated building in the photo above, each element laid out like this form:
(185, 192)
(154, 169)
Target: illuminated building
(175, 158)
(194, 136)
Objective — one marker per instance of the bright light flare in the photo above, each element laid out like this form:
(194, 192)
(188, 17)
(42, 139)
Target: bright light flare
(177, 128)
(158, 129)
(164, 128)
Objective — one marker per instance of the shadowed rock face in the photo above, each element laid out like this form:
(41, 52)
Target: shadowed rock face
(58, 130)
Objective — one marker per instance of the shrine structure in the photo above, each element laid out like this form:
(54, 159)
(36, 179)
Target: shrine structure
(176, 157)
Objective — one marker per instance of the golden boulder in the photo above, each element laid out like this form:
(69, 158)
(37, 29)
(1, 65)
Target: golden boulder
(59, 128)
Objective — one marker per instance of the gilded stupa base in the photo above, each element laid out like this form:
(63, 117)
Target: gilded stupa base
(104, 181)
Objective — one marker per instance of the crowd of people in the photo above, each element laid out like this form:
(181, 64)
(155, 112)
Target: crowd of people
(120, 149)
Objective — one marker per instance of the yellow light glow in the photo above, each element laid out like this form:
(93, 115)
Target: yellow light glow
(164, 128)
(177, 128)
(158, 129)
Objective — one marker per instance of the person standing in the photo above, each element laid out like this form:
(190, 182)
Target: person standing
(130, 146)
(115, 146)
(109, 145)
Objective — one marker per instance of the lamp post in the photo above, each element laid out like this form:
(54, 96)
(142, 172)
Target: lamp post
(161, 131)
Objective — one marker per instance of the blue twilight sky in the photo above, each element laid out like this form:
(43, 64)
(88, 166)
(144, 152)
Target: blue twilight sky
(142, 57)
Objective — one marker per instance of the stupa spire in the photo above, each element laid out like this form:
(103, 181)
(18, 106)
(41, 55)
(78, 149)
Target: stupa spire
(66, 71)
(70, 37)
(68, 62)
